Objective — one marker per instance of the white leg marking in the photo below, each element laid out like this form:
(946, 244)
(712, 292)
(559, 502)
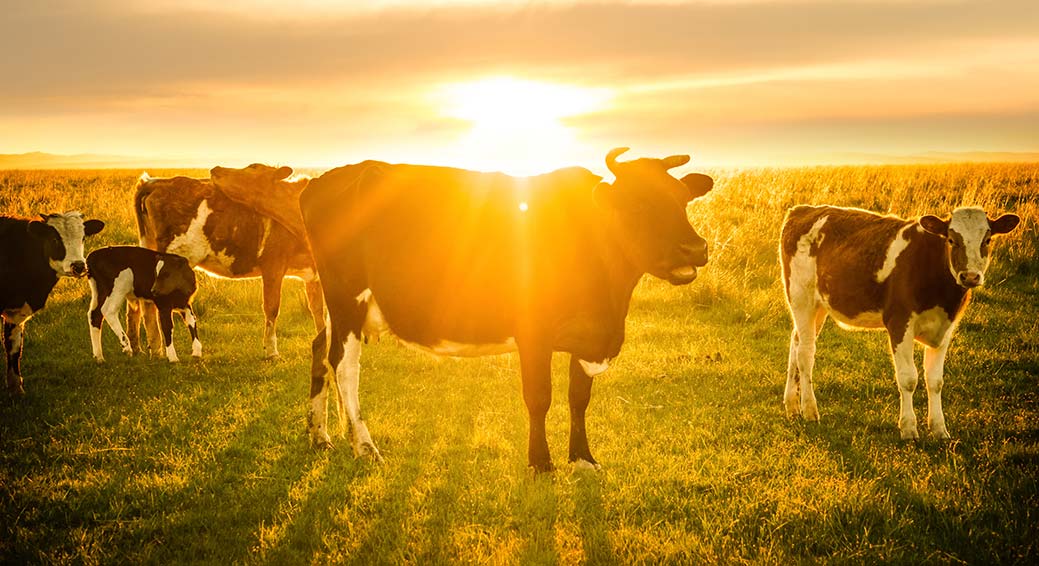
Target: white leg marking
(807, 316)
(906, 377)
(95, 332)
(270, 340)
(196, 345)
(121, 287)
(792, 394)
(585, 465)
(171, 354)
(934, 369)
(319, 415)
(347, 375)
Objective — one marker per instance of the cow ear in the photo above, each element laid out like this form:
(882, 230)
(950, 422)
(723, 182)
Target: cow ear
(675, 161)
(282, 172)
(935, 225)
(39, 229)
(698, 184)
(91, 227)
(1004, 224)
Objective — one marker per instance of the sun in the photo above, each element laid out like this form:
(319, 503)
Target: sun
(516, 124)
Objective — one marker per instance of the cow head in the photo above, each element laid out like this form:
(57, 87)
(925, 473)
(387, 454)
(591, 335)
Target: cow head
(62, 236)
(173, 274)
(254, 176)
(968, 238)
(648, 206)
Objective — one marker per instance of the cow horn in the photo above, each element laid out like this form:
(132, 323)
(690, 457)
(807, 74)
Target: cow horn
(611, 158)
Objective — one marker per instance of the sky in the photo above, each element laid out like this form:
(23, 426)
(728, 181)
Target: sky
(518, 86)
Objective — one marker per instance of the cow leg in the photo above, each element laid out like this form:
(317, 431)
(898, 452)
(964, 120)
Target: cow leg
(192, 323)
(95, 319)
(792, 393)
(345, 356)
(906, 377)
(317, 419)
(272, 280)
(13, 342)
(166, 326)
(536, 373)
(807, 323)
(579, 395)
(112, 318)
(934, 369)
(316, 303)
(151, 327)
(133, 324)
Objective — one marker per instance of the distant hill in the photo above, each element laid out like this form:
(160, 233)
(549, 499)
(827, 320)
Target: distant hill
(41, 160)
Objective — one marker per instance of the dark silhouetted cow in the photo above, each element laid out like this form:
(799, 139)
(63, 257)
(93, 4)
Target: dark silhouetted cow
(464, 263)
(912, 278)
(129, 274)
(33, 255)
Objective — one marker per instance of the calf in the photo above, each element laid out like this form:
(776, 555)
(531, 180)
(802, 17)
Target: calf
(118, 273)
(33, 255)
(912, 278)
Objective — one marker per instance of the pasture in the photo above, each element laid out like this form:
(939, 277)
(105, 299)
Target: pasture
(138, 461)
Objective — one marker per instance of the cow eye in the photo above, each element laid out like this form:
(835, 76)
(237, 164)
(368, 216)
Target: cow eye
(986, 242)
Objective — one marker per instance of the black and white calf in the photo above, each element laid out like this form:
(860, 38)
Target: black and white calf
(119, 273)
(912, 278)
(33, 255)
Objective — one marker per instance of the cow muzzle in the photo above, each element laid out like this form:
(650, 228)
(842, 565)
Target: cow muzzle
(970, 279)
(78, 268)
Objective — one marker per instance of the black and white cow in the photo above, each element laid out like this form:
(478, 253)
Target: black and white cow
(118, 273)
(912, 278)
(463, 263)
(33, 255)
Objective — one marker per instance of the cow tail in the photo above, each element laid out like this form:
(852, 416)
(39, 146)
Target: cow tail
(144, 188)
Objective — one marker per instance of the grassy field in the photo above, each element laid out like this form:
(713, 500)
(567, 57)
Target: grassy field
(138, 461)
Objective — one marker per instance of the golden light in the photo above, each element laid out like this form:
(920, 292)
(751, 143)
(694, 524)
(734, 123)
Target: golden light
(517, 124)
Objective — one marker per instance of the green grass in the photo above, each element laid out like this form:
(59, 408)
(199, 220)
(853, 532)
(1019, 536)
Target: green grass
(138, 461)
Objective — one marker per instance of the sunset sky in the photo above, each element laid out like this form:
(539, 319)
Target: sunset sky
(519, 86)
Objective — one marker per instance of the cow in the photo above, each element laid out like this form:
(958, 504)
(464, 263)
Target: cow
(119, 273)
(912, 278)
(196, 218)
(34, 254)
(463, 263)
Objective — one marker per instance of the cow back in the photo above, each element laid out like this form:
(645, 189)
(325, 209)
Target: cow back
(464, 254)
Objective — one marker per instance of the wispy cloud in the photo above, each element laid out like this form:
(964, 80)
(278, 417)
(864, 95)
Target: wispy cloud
(358, 79)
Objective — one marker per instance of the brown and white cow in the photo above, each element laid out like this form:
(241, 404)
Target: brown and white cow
(196, 219)
(462, 263)
(912, 278)
(126, 274)
(33, 255)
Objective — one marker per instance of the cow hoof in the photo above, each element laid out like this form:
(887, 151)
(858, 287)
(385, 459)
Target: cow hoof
(100, 360)
(368, 451)
(543, 468)
(811, 414)
(584, 465)
(941, 435)
(16, 389)
(910, 434)
(320, 439)
(323, 444)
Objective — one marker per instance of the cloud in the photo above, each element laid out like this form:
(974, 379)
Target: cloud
(347, 81)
